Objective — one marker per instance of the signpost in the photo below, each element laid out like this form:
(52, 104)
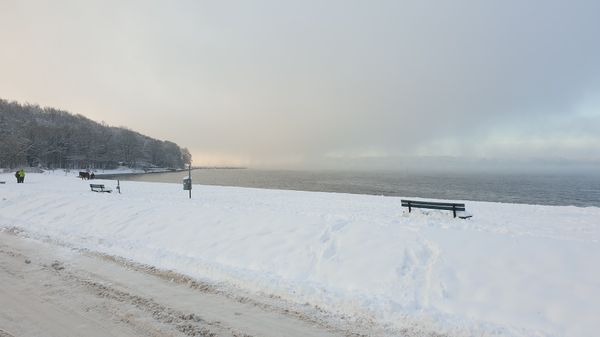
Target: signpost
(187, 182)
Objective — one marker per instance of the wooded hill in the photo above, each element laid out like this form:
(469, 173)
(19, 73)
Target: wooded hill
(51, 138)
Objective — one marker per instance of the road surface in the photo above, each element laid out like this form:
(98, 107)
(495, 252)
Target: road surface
(49, 290)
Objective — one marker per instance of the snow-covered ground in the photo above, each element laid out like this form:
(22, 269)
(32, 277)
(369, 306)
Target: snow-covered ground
(511, 270)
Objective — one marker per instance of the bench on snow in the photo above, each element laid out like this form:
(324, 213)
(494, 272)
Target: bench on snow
(446, 206)
(99, 188)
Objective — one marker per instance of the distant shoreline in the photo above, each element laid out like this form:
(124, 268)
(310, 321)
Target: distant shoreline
(219, 168)
(113, 175)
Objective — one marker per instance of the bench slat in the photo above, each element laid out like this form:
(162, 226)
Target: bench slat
(445, 208)
(418, 202)
(421, 205)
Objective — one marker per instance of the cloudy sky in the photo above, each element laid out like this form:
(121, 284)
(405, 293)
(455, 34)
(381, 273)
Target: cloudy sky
(320, 83)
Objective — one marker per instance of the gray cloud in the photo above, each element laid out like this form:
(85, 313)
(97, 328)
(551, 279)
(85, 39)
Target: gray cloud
(309, 82)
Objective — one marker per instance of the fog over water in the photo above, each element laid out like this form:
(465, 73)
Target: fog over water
(322, 84)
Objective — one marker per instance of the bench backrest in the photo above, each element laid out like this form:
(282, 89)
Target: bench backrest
(96, 186)
(449, 206)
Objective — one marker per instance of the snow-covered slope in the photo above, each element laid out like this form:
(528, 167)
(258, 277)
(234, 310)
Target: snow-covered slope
(514, 270)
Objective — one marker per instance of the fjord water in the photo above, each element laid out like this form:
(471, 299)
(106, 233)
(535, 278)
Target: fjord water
(526, 188)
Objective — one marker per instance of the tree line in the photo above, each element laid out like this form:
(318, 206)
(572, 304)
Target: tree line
(51, 138)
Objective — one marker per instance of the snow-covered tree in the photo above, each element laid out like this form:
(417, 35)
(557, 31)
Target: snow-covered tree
(47, 137)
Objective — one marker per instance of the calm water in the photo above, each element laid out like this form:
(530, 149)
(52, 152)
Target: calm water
(544, 189)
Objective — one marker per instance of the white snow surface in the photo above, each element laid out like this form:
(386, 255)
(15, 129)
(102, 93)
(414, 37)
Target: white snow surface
(511, 270)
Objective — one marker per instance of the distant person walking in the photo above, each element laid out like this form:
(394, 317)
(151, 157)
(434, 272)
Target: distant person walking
(18, 177)
(21, 178)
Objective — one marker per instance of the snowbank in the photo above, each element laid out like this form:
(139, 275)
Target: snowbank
(511, 270)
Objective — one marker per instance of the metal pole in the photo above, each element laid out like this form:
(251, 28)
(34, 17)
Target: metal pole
(190, 178)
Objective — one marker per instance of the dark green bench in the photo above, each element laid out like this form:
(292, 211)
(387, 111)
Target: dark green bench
(446, 206)
(99, 188)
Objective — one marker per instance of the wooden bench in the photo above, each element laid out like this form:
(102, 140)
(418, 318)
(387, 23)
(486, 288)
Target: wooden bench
(446, 206)
(99, 188)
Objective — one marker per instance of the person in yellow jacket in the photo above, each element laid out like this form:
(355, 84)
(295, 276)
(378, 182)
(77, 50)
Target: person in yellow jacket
(21, 176)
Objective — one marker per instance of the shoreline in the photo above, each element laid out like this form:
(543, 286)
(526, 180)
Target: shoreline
(116, 175)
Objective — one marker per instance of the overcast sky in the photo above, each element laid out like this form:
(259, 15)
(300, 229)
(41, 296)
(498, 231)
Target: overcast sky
(319, 83)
